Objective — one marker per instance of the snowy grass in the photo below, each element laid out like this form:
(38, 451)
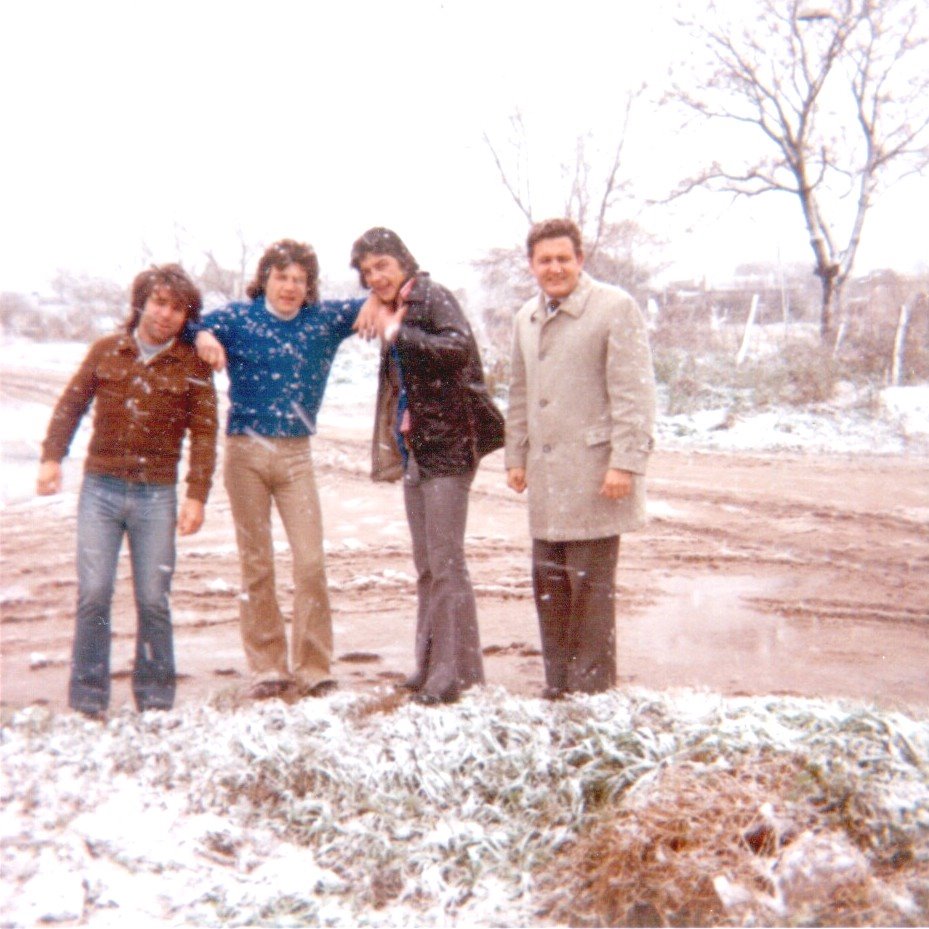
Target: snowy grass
(629, 806)
(371, 811)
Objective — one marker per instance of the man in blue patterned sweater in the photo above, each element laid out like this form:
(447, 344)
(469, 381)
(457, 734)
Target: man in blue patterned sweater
(279, 349)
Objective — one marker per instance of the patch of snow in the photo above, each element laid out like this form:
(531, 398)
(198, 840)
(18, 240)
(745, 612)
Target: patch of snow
(908, 407)
(787, 430)
(660, 509)
(308, 814)
(220, 585)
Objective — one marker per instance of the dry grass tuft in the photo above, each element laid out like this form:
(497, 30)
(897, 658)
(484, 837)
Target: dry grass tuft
(380, 703)
(709, 848)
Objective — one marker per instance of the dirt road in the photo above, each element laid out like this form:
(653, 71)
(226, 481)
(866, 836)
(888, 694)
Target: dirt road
(756, 574)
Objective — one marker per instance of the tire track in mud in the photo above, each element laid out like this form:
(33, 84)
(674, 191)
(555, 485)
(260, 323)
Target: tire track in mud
(789, 535)
(843, 610)
(32, 386)
(832, 543)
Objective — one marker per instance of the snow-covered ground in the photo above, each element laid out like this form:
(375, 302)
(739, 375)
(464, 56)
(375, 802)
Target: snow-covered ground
(333, 813)
(325, 814)
(900, 424)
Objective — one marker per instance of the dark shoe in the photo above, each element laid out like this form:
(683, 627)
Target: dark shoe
(427, 699)
(553, 693)
(98, 716)
(322, 689)
(413, 684)
(268, 690)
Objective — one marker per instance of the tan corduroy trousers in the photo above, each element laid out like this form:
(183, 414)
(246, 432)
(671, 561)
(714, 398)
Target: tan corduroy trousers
(257, 471)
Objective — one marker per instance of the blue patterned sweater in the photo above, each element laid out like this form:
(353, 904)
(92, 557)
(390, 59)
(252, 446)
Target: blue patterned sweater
(278, 368)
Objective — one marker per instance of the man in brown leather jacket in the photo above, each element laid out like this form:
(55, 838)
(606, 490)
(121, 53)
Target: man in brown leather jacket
(149, 389)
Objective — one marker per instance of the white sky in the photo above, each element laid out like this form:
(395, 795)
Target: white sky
(133, 129)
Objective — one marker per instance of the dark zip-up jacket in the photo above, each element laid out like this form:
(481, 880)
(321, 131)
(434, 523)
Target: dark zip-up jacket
(452, 420)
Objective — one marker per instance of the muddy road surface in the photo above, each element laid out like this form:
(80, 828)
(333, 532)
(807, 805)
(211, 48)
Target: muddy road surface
(756, 574)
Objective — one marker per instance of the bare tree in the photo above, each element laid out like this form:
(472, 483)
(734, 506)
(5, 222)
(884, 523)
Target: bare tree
(505, 283)
(832, 102)
(219, 281)
(87, 306)
(515, 177)
(593, 187)
(588, 202)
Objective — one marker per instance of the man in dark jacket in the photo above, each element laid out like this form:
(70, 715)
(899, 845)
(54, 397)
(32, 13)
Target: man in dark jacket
(433, 421)
(149, 389)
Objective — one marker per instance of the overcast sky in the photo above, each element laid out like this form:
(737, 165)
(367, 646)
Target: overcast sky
(133, 129)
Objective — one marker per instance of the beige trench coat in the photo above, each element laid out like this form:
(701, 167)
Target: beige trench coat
(582, 400)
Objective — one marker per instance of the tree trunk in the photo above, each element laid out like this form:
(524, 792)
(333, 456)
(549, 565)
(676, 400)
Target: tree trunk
(827, 309)
(743, 351)
(896, 365)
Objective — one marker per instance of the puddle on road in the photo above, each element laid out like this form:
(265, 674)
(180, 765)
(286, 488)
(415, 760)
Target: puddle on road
(704, 632)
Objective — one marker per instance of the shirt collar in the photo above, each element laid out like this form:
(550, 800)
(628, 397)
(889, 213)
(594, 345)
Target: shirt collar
(573, 304)
(276, 314)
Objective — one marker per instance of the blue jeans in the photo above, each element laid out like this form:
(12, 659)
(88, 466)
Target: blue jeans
(108, 509)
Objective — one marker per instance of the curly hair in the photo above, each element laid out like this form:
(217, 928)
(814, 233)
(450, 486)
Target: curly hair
(172, 278)
(381, 241)
(554, 229)
(280, 255)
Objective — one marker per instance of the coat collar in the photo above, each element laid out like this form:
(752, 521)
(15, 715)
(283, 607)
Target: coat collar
(420, 287)
(574, 304)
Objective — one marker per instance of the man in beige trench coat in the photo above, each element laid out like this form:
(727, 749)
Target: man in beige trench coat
(578, 435)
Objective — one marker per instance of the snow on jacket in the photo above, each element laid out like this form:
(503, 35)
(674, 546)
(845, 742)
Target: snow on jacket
(582, 400)
(443, 377)
(141, 413)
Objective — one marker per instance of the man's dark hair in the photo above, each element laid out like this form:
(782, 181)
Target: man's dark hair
(170, 277)
(381, 241)
(280, 255)
(555, 229)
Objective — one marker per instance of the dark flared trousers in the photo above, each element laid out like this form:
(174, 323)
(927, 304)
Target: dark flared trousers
(448, 648)
(574, 587)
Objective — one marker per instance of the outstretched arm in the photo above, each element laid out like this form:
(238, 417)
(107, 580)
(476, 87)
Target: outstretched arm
(210, 350)
(366, 323)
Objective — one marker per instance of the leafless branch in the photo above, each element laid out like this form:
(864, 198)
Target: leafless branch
(835, 94)
(521, 198)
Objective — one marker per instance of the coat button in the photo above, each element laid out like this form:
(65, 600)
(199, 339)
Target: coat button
(543, 403)
(546, 448)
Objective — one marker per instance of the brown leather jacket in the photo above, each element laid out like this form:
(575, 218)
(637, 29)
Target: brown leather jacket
(141, 413)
